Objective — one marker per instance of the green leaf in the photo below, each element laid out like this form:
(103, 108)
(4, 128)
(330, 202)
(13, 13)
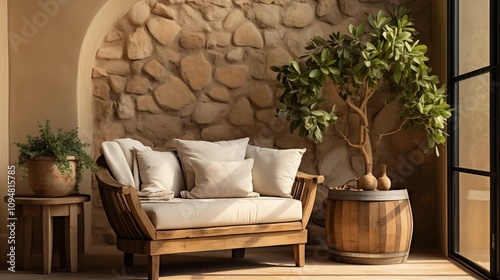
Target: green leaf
(324, 55)
(431, 142)
(403, 36)
(420, 107)
(275, 68)
(440, 138)
(304, 110)
(318, 136)
(397, 75)
(295, 66)
(302, 131)
(360, 31)
(334, 70)
(351, 29)
(427, 108)
(314, 73)
(304, 80)
(370, 46)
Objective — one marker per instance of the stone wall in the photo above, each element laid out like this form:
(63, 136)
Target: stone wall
(199, 69)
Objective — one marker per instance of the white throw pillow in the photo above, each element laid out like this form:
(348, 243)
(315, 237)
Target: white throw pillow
(274, 170)
(215, 179)
(160, 170)
(233, 150)
(128, 147)
(119, 155)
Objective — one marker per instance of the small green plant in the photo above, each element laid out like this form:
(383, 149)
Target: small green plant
(59, 146)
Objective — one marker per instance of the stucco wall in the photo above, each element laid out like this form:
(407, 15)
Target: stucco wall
(4, 119)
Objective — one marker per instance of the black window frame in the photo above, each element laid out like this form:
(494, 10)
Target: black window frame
(454, 77)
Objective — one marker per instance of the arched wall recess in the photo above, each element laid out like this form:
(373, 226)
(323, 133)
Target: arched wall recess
(102, 21)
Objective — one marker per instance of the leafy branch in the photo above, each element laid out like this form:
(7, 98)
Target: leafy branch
(358, 63)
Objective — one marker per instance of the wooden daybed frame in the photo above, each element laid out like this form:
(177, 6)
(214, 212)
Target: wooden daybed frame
(137, 235)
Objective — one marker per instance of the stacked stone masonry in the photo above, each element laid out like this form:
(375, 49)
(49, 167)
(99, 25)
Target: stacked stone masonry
(200, 69)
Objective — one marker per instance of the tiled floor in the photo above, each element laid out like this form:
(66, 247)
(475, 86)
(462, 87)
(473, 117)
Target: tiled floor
(262, 263)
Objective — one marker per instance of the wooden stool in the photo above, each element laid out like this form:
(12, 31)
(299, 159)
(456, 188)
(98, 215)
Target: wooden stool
(68, 207)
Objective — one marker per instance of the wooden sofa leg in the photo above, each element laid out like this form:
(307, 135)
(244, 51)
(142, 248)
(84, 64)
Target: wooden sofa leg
(128, 259)
(238, 253)
(299, 254)
(154, 267)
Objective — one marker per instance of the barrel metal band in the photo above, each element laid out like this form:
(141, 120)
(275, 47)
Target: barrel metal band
(369, 255)
(391, 195)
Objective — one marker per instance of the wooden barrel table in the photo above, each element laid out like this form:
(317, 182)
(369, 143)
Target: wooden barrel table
(369, 227)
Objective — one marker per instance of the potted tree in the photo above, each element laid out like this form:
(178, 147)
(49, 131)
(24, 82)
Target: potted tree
(385, 59)
(54, 163)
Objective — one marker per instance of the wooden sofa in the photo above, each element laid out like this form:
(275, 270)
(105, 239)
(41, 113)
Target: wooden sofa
(137, 235)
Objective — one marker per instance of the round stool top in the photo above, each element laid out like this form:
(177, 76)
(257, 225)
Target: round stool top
(31, 199)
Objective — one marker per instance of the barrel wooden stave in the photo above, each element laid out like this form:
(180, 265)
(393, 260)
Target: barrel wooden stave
(369, 232)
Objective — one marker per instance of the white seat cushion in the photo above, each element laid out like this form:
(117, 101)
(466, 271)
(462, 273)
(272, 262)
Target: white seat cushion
(200, 213)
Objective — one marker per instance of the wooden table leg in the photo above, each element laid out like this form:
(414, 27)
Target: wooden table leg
(72, 238)
(81, 231)
(28, 226)
(47, 240)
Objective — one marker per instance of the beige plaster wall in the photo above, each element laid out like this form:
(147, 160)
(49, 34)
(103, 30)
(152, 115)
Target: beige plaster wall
(438, 61)
(45, 44)
(4, 120)
(47, 61)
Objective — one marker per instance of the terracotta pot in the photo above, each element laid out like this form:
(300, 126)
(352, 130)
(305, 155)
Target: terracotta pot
(46, 180)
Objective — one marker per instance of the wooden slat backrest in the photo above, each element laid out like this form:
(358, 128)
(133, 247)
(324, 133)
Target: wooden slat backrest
(304, 189)
(122, 206)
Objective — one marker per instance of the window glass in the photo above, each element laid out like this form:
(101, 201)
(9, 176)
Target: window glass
(473, 35)
(473, 120)
(474, 218)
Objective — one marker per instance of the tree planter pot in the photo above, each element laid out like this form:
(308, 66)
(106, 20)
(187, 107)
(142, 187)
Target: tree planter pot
(369, 227)
(45, 178)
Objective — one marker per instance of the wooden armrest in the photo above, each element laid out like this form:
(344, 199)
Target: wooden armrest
(304, 189)
(103, 175)
(318, 179)
(122, 206)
